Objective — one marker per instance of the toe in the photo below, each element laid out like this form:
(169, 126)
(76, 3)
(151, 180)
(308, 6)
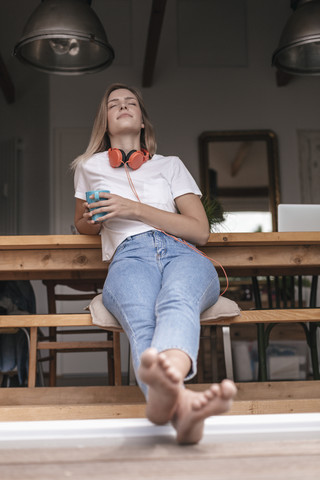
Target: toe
(163, 361)
(209, 394)
(228, 389)
(148, 357)
(215, 389)
(174, 375)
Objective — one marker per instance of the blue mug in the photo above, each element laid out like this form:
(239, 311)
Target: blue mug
(96, 199)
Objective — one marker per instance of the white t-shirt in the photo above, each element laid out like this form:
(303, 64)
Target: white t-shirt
(157, 182)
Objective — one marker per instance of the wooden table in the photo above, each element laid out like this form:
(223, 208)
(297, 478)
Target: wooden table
(79, 256)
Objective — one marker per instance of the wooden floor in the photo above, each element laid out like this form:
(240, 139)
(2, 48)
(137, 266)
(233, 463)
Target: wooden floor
(278, 456)
(236, 455)
(159, 460)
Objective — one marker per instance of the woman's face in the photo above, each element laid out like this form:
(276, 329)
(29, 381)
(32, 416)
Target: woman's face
(124, 113)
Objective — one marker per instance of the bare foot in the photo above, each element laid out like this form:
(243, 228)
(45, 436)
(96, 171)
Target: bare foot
(168, 400)
(194, 407)
(165, 383)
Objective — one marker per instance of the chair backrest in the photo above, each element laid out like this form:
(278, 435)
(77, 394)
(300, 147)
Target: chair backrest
(284, 292)
(84, 290)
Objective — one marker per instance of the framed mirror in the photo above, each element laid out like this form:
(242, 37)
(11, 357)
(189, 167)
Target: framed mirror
(240, 169)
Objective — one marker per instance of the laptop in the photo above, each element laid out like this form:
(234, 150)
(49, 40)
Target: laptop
(298, 218)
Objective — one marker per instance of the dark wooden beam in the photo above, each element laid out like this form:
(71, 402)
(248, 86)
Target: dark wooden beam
(6, 83)
(294, 4)
(154, 32)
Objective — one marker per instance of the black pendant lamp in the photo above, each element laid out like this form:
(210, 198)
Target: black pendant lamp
(65, 37)
(299, 47)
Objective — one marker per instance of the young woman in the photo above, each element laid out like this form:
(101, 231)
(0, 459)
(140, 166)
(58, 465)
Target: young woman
(157, 284)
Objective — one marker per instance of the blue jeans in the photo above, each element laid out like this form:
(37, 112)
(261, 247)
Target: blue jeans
(157, 287)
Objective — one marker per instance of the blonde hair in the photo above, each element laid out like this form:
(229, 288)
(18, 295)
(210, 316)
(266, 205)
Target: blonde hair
(99, 140)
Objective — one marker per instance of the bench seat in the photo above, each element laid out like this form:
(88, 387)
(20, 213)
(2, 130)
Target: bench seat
(85, 319)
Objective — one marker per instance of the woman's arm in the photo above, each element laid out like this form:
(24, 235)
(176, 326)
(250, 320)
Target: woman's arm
(191, 224)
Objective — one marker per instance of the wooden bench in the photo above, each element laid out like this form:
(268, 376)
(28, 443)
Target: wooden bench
(95, 402)
(58, 403)
(84, 319)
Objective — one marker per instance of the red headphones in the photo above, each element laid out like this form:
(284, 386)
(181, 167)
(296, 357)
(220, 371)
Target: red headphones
(134, 159)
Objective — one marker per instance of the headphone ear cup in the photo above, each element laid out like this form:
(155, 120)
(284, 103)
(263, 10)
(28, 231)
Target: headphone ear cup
(117, 157)
(146, 155)
(137, 158)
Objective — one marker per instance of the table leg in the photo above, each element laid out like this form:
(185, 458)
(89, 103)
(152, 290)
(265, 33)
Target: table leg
(262, 353)
(33, 357)
(314, 350)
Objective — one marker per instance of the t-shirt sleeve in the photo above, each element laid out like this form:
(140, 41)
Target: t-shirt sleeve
(181, 180)
(80, 183)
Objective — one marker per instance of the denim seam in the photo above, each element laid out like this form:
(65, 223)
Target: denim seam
(126, 319)
(208, 288)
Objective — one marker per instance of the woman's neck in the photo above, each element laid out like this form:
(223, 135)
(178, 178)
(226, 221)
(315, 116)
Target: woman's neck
(125, 143)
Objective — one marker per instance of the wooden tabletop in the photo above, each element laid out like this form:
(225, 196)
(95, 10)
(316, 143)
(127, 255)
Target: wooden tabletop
(79, 256)
(13, 242)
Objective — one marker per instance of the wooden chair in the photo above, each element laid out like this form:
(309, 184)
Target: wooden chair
(84, 290)
(282, 293)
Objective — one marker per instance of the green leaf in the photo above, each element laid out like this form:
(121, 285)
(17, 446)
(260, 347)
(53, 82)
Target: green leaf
(214, 210)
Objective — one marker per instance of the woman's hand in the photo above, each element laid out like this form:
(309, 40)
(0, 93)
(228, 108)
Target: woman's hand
(112, 206)
(83, 219)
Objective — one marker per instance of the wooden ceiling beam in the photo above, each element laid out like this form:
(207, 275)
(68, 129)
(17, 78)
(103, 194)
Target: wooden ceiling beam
(154, 32)
(6, 84)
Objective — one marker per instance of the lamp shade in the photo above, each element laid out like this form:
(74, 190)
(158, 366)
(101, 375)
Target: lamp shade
(65, 37)
(299, 47)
